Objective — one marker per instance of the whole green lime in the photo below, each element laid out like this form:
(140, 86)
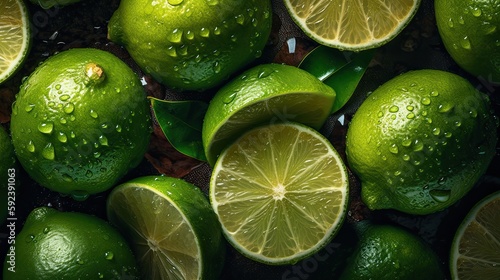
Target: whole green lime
(69, 245)
(192, 44)
(421, 141)
(8, 180)
(390, 252)
(80, 122)
(470, 32)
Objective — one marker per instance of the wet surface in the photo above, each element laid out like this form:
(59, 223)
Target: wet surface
(417, 47)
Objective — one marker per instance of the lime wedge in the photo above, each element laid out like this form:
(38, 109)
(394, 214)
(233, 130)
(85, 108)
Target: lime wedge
(354, 24)
(14, 36)
(280, 192)
(475, 252)
(170, 226)
(267, 93)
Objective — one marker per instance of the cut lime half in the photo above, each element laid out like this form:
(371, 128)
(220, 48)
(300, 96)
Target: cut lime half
(280, 192)
(14, 37)
(170, 226)
(475, 253)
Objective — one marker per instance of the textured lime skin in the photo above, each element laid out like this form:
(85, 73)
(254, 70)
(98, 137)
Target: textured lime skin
(193, 205)
(389, 252)
(70, 245)
(192, 44)
(421, 141)
(8, 170)
(470, 30)
(77, 134)
(267, 93)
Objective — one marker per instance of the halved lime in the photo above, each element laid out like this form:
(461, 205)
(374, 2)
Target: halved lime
(267, 93)
(280, 192)
(14, 36)
(354, 24)
(170, 226)
(475, 253)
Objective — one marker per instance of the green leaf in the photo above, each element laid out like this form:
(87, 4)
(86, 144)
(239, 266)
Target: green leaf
(339, 69)
(181, 122)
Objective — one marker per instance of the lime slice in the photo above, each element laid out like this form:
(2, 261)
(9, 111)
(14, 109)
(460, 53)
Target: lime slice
(267, 93)
(280, 192)
(14, 36)
(353, 24)
(170, 226)
(475, 253)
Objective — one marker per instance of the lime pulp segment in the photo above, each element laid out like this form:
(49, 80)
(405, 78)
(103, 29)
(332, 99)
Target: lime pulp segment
(280, 192)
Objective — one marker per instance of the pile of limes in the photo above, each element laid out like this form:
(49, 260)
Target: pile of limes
(278, 191)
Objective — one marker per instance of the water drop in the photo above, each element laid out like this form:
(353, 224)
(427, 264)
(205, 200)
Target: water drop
(58, 86)
(410, 116)
(97, 154)
(425, 101)
(461, 20)
(63, 120)
(204, 32)
(93, 114)
(234, 38)
(230, 97)
(175, 36)
(175, 2)
(67, 178)
(29, 108)
(394, 149)
(189, 35)
(103, 140)
(61, 136)
(69, 108)
(80, 196)
(436, 131)
(240, 19)
(46, 128)
(418, 146)
(264, 73)
(445, 108)
(448, 134)
(48, 152)
(64, 97)
(451, 23)
(212, 2)
(79, 261)
(476, 12)
(406, 142)
(171, 51)
(109, 255)
(217, 67)
(46, 230)
(440, 195)
(434, 93)
(406, 157)
(465, 43)
(30, 147)
(394, 109)
(217, 30)
(118, 128)
(410, 108)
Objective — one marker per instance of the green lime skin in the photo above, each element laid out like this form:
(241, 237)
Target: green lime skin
(80, 122)
(470, 33)
(192, 44)
(421, 141)
(8, 171)
(47, 4)
(390, 252)
(69, 245)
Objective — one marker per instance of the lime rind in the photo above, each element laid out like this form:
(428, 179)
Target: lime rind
(13, 28)
(487, 246)
(369, 38)
(272, 225)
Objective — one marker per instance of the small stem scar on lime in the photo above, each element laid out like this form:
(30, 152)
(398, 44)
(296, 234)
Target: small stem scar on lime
(94, 73)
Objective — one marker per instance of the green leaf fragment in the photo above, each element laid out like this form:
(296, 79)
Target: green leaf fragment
(181, 122)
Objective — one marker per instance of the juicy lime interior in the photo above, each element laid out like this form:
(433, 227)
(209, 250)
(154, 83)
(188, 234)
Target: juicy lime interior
(476, 248)
(280, 192)
(164, 241)
(355, 24)
(14, 36)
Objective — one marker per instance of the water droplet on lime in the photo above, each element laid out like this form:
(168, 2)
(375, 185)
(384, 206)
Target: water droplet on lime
(440, 195)
(394, 109)
(240, 19)
(425, 101)
(175, 36)
(61, 136)
(46, 127)
(204, 32)
(465, 43)
(109, 255)
(93, 114)
(48, 152)
(29, 108)
(103, 140)
(394, 149)
(30, 147)
(69, 108)
(175, 2)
